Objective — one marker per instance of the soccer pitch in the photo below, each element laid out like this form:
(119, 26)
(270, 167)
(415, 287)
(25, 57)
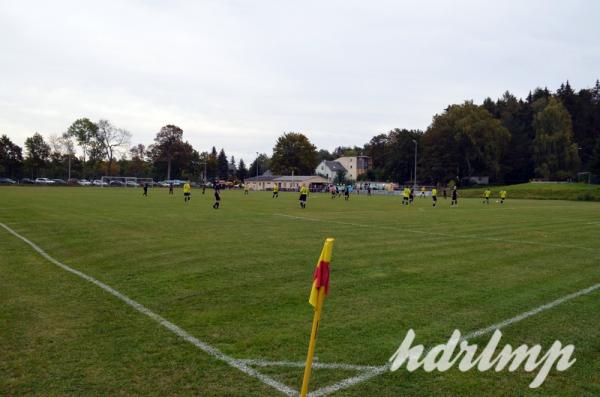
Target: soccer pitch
(238, 280)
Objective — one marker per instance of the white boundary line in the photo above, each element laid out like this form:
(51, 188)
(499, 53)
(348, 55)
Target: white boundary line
(245, 365)
(450, 235)
(474, 334)
(380, 370)
(212, 351)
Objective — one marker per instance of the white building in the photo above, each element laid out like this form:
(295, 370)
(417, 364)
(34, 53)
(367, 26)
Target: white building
(329, 169)
(267, 181)
(354, 166)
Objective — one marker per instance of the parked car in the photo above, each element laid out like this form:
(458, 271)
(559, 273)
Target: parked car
(73, 181)
(116, 183)
(6, 181)
(99, 182)
(26, 181)
(59, 181)
(84, 182)
(44, 181)
(132, 184)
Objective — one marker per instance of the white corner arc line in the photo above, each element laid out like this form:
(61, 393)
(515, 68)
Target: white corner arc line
(302, 364)
(210, 350)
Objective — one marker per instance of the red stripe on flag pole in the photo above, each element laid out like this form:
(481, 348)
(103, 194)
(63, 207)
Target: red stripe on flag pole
(321, 276)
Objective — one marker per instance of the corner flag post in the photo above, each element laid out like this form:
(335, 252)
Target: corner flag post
(319, 289)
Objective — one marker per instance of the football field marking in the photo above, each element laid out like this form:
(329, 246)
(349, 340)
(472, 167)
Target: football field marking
(439, 234)
(371, 373)
(302, 364)
(210, 350)
(245, 365)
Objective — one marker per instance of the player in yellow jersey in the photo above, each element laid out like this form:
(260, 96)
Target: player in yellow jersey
(187, 192)
(405, 195)
(434, 196)
(303, 196)
(275, 191)
(502, 196)
(422, 191)
(246, 189)
(486, 196)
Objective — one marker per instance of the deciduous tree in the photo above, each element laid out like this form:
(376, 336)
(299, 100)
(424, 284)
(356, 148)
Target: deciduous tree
(293, 152)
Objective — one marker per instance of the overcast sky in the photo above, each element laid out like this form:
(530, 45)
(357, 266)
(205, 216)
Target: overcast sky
(237, 74)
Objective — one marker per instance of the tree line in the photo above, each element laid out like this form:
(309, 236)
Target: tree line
(106, 150)
(548, 135)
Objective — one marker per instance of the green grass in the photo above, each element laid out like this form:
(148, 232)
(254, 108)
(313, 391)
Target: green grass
(238, 278)
(542, 191)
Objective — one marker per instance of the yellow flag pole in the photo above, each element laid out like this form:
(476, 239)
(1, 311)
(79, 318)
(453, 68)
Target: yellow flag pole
(317, 297)
(313, 342)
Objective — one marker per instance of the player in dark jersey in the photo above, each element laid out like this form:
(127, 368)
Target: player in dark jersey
(454, 197)
(217, 197)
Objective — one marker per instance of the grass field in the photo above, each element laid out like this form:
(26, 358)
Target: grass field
(238, 279)
(543, 191)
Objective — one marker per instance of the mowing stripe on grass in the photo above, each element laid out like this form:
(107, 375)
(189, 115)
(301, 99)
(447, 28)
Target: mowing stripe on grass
(449, 235)
(212, 351)
(471, 335)
(367, 372)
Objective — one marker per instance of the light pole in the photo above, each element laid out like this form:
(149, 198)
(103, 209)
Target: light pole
(204, 176)
(257, 165)
(415, 179)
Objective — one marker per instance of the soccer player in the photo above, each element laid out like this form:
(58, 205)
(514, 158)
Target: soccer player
(405, 196)
(454, 197)
(187, 192)
(411, 195)
(217, 197)
(347, 192)
(422, 191)
(445, 194)
(275, 191)
(303, 196)
(434, 196)
(486, 196)
(502, 196)
(332, 191)
(246, 189)
(171, 188)
(145, 189)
